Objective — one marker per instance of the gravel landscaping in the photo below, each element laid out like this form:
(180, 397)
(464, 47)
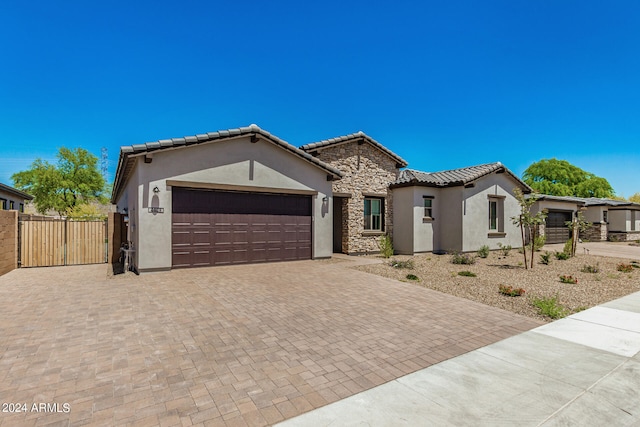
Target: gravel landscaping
(543, 281)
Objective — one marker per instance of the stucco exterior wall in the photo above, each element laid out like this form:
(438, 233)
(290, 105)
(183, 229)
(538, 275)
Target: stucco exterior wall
(448, 234)
(624, 220)
(595, 213)
(233, 164)
(366, 170)
(475, 222)
(413, 232)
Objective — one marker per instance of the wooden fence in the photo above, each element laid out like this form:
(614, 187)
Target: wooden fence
(51, 242)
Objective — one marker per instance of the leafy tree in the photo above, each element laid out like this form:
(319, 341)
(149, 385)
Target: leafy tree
(635, 198)
(561, 178)
(75, 180)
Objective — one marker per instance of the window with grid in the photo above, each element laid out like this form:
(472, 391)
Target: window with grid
(373, 213)
(428, 206)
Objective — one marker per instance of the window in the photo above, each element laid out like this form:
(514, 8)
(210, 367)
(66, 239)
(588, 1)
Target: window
(21, 207)
(633, 221)
(3, 204)
(11, 205)
(496, 216)
(373, 214)
(428, 206)
(604, 216)
(493, 215)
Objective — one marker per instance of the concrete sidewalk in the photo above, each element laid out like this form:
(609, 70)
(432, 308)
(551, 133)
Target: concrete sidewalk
(582, 370)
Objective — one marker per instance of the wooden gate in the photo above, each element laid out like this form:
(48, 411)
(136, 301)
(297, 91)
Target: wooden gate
(48, 242)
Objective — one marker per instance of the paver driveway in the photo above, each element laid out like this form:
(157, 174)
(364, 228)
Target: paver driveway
(243, 345)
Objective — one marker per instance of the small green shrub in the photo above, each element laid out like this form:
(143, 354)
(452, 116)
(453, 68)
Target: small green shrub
(464, 259)
(412, 277)
(562, 255)
(545, 258)
(467, 273)
(510, 291)
(549, 307)
(568, 279)
(505, 249)
(483, 252)
(588, 268)
(408, 264)
(386, 246)
(625, 268)
(539, 242)
(568, 247)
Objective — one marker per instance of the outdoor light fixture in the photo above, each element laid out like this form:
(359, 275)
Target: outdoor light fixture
(325, 199)
(156, 189)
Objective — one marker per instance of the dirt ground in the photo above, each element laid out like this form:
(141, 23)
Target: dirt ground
(438, 273)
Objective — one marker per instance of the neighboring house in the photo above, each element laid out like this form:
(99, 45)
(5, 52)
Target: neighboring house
(456, 210)
(228, 197)
(362, 200)
(13, 199)
(610, 219)
(560, 210)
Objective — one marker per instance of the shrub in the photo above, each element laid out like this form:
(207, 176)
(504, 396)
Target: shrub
(464, 259)
(505, 249)
(386, 246)
(562, 255)
(587, 268)
(539, 242)
(510, 291)
(568, 279)
(568, 247)
(412, 277)
(408, 264)
(467, 273)
(483, 252)
(549, 307)
(545, 258)
(625, 268)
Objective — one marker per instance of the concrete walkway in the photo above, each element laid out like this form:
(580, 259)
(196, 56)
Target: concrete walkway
(583, 370)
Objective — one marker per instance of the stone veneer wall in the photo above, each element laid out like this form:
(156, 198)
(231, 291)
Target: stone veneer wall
(366, 169)
(621, 236)
(596, 232)
(8, 241)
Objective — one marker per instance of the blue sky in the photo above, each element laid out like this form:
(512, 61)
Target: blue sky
(444, 84)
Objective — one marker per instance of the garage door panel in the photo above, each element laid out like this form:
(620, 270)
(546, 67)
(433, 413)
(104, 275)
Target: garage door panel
(555, 229)
(234, 228)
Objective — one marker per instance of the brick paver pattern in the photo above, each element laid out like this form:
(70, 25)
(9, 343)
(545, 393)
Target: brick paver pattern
(242, 345)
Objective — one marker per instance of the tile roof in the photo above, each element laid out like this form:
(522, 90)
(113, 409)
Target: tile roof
(15, 192)
(453, 177)
(587, 201)
(128, 153)
(358, 136)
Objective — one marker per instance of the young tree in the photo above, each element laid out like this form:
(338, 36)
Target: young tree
(75, 180)
(561, 178)
(528, 222)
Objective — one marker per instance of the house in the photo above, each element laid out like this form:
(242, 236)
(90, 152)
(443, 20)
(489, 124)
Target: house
(456, 210)
(228, 197)
(13, 199)
(609, 219)
(244, 195)
(362, 199)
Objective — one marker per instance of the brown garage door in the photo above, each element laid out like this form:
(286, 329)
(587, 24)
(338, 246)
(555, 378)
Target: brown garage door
(225, 227)
(556, 230)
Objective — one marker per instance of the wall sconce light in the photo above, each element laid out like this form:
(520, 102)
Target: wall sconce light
(156, 189)
(325, 199)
